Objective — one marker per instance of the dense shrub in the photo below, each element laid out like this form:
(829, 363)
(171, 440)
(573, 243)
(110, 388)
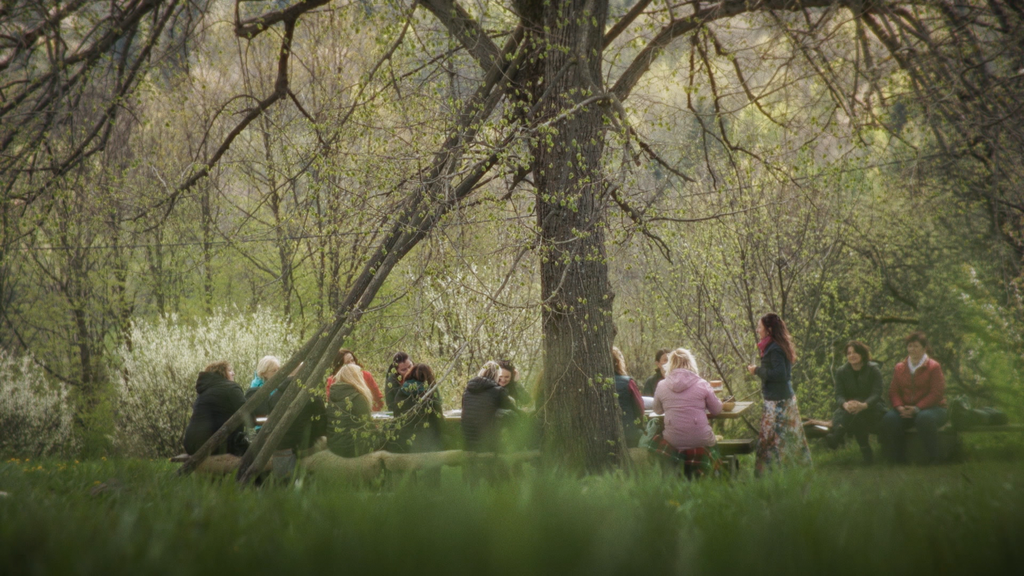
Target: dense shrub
(35, 414)
(156, 386)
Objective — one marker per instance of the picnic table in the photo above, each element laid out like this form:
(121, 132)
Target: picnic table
(736, 412)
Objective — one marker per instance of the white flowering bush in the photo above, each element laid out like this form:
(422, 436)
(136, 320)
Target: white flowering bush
(468, 325)
(35, 414)
(157, 375)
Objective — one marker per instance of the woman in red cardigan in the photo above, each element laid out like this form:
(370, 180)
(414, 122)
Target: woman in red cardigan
(345, 356)
(917, 394)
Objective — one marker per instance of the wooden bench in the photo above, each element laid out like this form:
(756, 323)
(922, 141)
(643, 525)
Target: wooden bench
(950, 442)
(999, 428)
(731, 448)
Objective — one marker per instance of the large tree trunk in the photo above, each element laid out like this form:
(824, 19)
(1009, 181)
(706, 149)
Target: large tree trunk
(582, 427)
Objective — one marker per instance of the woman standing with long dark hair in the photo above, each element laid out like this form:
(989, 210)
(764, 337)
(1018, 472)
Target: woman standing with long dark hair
(781, 441)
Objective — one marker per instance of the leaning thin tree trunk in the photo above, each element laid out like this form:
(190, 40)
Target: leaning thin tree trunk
(244, 414)
(423, 210)
(582, 424)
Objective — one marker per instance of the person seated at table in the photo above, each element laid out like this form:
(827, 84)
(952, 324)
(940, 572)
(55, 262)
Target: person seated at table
(217, 400)
(858, 391)
(481, 401)
(509, 379)
(631, 404)
(660, 360)
(918, 397)
(345, 356)
(266, 368)
(350, 430)
(686, 400)
(418, 412)
(310, 424)
(397, 372)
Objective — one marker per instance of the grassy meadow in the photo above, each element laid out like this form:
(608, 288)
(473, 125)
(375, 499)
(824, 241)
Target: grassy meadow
(137, 517)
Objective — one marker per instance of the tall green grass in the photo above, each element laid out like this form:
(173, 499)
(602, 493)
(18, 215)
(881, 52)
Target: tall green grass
(136, 517)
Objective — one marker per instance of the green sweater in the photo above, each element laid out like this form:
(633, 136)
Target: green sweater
(350, 430)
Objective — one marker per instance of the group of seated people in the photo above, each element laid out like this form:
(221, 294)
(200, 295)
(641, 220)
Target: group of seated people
(342, 409)
(916, 394)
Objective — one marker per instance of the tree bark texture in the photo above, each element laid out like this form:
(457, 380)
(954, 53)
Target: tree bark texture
(582, 427)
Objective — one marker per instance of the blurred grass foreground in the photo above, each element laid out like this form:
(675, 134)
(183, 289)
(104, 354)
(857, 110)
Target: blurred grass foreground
(137, 517)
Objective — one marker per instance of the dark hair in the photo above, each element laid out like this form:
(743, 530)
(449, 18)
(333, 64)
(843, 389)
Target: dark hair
(918, 337)
(339, 360)
(661, 352)
(777, 331)
(221, 367)
(398, 359)
(860, 348)
(420, 373)
(507, 365)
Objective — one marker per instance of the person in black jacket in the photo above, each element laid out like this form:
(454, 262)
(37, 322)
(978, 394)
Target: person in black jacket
(218, 399)
(480, 404)
(660, 360)
(309, 425)
(859, 406)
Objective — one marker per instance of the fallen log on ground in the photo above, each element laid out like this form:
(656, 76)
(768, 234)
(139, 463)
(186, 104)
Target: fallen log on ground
(371, 466)
(221, 464)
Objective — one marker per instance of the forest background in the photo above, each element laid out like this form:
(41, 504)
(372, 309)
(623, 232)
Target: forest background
(169, 201)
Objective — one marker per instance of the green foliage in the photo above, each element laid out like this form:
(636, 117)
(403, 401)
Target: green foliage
(157, 375)
(136, 516)
(35, 415)
(777, 161)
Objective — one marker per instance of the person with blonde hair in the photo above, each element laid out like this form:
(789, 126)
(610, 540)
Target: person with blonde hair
(686, 399)
(346, 356)
(350, 428)
(266, 368)
(631, 403)
(481, 401)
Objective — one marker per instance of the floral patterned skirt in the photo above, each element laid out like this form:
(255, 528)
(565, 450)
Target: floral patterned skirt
(781, 442)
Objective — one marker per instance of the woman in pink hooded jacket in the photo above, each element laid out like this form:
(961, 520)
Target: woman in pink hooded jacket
(686, 399)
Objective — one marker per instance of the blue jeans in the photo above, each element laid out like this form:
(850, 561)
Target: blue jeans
(892, 432)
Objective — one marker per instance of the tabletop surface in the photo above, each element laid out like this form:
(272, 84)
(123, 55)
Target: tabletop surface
(736, 411)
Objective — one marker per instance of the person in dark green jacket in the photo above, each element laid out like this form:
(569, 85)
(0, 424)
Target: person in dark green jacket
(509, 380)
(218, 398)
(350, 430)
(859, 405)
(401, 365)
(418, 412)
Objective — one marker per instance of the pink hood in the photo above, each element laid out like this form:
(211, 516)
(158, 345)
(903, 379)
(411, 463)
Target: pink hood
(680, 379)
(686, 399)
